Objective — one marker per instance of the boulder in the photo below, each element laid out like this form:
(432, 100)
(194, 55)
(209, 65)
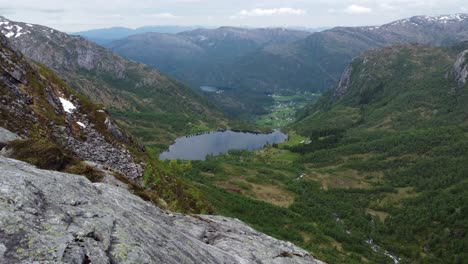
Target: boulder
(6, 136)
(53, 217)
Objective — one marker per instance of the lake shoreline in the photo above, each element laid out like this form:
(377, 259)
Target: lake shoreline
(199, 145)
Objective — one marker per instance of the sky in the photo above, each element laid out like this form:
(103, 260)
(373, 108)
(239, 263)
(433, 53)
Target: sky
(78, 15)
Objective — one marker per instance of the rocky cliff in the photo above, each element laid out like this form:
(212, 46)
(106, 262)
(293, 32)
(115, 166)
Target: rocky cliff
(52, 217)
(343, 85)
(460, 69)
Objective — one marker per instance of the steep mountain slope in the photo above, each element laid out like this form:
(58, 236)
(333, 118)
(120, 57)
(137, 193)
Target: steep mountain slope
(151, 105)
(63, 130)
(362, 87)
(37, 105)
(399, 119)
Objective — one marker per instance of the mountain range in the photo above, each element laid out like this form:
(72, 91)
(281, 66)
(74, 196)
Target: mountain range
(280, 59)
(105, 35)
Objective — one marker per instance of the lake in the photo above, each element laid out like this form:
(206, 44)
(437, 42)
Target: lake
(214, 89)
(197, 147)
(209, 89)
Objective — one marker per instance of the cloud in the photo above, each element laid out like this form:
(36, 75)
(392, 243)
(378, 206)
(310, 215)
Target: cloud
(164, 15)
(357, 9)
(272, 12)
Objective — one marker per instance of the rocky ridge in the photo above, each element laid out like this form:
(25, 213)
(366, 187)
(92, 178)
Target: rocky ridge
(54, 217)
(33, 103)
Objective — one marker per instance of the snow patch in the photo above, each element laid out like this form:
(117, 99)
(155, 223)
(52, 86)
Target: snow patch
(67, 105)
(443, 19)
(12, 30)
(446, 18)
(29, 25)
(18, 32)
(81, 124)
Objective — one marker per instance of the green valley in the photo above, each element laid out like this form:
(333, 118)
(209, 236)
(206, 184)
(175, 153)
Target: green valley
(379, 172)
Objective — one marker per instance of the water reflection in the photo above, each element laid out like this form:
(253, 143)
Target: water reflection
(197, 147)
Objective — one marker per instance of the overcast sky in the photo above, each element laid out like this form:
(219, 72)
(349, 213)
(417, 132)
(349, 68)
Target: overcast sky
(71, 15)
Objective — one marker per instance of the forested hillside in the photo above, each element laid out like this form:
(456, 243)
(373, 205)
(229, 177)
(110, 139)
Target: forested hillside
(380, 172)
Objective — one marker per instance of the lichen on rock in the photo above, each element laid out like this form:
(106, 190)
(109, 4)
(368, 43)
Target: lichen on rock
(53, 217)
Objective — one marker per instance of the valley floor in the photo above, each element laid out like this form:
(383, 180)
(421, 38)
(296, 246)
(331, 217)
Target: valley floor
(345, 204)
(284, 108)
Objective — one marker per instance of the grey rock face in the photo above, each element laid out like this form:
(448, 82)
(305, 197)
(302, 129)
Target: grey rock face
(115, 131)
(52, 217)
(95, 148)
(344, 83)
(7, 136)
(460, 69)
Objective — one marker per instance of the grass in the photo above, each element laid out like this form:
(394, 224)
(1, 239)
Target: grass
(268, 193)
(338, 178)
(50, 156)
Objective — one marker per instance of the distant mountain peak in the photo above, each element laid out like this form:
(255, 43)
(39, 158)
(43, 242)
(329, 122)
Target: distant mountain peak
(12, 29)
(441, 19)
